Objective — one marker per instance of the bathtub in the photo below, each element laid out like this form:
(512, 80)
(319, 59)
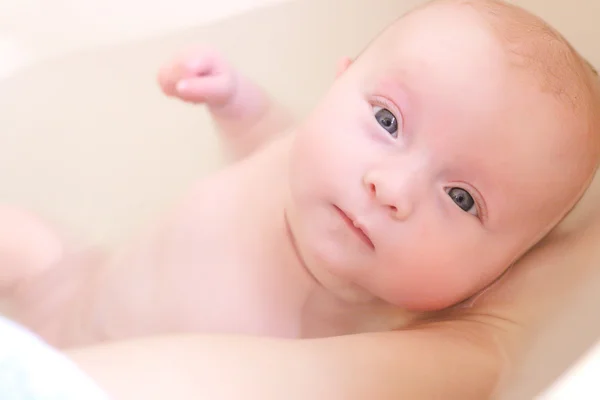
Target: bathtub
(88, 141)
(580, 381)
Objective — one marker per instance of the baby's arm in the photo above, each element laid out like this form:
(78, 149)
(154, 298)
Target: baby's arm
(244, 114)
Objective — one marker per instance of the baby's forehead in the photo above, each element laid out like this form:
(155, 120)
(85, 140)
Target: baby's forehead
(526, 41)
(438, 27)
(482, 66)
(451, 47)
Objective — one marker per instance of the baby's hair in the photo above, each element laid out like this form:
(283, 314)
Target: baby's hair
(537, 48)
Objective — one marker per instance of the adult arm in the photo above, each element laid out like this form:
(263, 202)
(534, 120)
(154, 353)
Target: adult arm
(444, 360)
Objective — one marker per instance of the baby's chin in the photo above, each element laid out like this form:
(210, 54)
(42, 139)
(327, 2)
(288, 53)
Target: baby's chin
(339, 272)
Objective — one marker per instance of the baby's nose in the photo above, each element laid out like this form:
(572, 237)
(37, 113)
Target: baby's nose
(394, 193)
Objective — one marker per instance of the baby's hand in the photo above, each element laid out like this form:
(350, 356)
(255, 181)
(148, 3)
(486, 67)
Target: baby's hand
(238, 106)
(200, 77)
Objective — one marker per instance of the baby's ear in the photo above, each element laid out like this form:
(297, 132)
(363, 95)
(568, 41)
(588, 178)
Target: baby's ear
(343, 65)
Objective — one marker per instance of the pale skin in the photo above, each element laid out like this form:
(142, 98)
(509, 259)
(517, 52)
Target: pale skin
(322, 291)
(470, 354)
(328, 230)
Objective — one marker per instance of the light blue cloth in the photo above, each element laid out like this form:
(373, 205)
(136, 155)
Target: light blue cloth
(32, 370)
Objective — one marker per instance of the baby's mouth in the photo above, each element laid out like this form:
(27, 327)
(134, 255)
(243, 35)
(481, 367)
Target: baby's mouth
(356, 228)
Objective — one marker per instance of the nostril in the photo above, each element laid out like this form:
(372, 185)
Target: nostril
(394, 209)
(372, 189)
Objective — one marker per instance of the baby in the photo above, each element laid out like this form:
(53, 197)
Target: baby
(457, 140)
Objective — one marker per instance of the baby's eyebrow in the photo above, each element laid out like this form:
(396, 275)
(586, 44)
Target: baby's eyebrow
(396, 88)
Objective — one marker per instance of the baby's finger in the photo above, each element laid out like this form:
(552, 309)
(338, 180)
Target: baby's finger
(170, 75)
(212, 90)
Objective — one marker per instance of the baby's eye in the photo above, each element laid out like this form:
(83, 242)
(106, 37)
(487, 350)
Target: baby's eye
(463, 199)
(387, 120)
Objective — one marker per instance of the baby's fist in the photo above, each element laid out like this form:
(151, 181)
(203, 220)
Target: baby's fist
(200, 77)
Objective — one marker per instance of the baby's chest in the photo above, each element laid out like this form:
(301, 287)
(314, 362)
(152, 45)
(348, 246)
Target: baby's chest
(219, 282)
(229, 294)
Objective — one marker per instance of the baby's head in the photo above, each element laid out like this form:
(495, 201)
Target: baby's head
(459, 138)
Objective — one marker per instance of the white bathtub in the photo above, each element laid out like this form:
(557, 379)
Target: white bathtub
(34, 29)
(580, 381)
(87, 140)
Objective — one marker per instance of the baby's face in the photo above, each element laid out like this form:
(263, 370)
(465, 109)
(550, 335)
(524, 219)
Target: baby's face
(429, 166)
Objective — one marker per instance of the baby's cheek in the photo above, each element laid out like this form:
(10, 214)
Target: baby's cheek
(429, 284)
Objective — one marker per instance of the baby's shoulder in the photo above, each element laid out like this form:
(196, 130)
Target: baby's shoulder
(260, 171)
(238, 197)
